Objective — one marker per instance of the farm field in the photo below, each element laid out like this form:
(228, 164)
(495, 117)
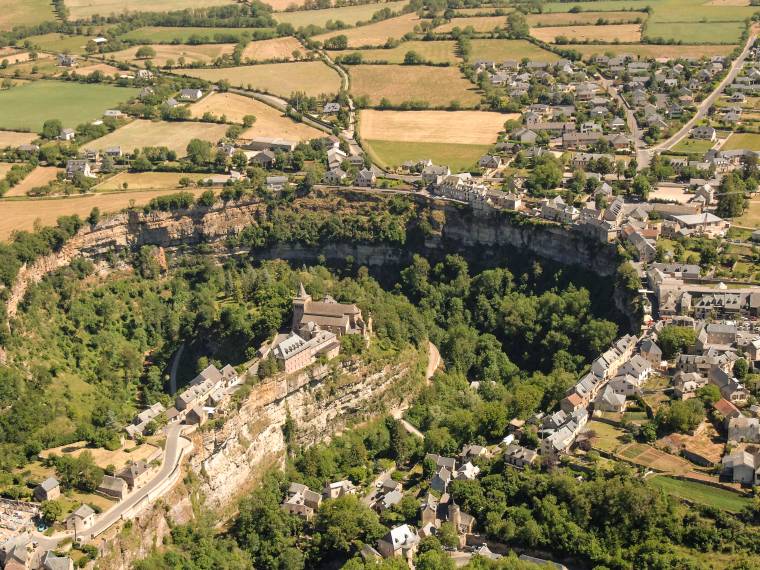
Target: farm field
(438, 86)
(161, 34)
(103, 68)
(693, 146)
(748, 141)
(696, 32)
(459, 157)
(583, 18)
(463, 127)
(376, 34)
(269, 121)
(610, 34)
(478, 23)
(173, 135)
(276, 48)
(349, 15)
(28, 106)
(312, 77)
(652, 50)
(40, 176)
(80, 9)
(433, 51)
(59, 43)
(751, 216)
(146, 181)
(705, 494)
(5, 167)
(14, 139)
(204, 53)
(45, 68)
(497, 50)
(103, 457)
(25, 13)
(21, 214)
(21, 57)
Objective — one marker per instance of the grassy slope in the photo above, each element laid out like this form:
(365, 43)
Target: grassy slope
(705, 494)
(458, 157)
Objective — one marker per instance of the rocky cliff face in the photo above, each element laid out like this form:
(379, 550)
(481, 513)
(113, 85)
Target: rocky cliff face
(228, 461)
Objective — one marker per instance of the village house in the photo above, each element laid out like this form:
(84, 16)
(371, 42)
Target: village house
(730, 388)
(686, 384)
(81, 519)
(744, 430)
(143, 419)
(190, 95)
(76, 167)
(51, 561)
(609, 400)
(114, 487)
(742, 467)
(48, 490)
(15, 551)
(335, 176)
(338, 489)
(704, 132)
(301, 501)
(519, 456)
(401, 541)
(365, 178)
(136, 474)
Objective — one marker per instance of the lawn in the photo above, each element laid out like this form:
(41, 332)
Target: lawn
(497, 50)
(349, 15)
(25, 13)
(462, 127)
(28, 106)
(81, 9)
(269, 121)
(174, 135)
(607, 436)
(22, 214)
(478, 23)
(696, 146)
(626, 33)
(751, 216)
(312, 77)
(375, 35)
(748, 141)
(652, 50)
(459, 157)
(433, 51)
(696, 32)
(160, 34)
(583, 18)
(58, 43)
(705, 494)
(276, 48)
(202, 54)
(437, 86)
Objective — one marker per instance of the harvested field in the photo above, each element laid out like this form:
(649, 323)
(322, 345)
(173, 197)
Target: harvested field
(583, 18)
(458, 157)
(174, 135)
(747, 141)
(25, 13)
(21, 214)
(269, 121)
(279, 5)
(462, 127)
(432, 51)
(5, 167)
(277, 48)
(437, 86)
(349, 15)
(652, 50)
(28, 106)
(312, 77)
(103, 68)
(165, 35)
(376, 34)
(204, 53)
(14, 139)
(478, 23)
(40, 176)
(146, 181)
(696, 32)
(612, 33)
(80, 9)
(499, 50)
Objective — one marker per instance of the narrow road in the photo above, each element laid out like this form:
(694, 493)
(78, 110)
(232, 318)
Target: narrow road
(736, 66)
(643, 156)
(173, 371)
(372, 493)
(434, 362)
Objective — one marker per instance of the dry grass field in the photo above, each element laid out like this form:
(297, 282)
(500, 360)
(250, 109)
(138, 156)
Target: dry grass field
(174, 135)
(20, 57)
(478, 23)
(609, 34)
(349, 15)
(652, 50)
(269, 121)
(312, 77)
(276, 48)
(146, 181)
(24, 13)
(583, 18)
(14, 139)
(373, 35)
(748, 141)
(435, 52)
(21, 214)
(279, 5)
(103, 68)
(203, 53)
(103, 457)
(499, 50)
(463, 127)
(40, 176)
(80, 9)
(438, 86)
(5, 168)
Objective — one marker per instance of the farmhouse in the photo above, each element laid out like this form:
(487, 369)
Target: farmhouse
(191, 95)
(80, 167)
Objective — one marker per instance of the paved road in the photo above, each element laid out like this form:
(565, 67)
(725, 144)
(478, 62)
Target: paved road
(710, 99)
(172, 455)
(643, 156)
